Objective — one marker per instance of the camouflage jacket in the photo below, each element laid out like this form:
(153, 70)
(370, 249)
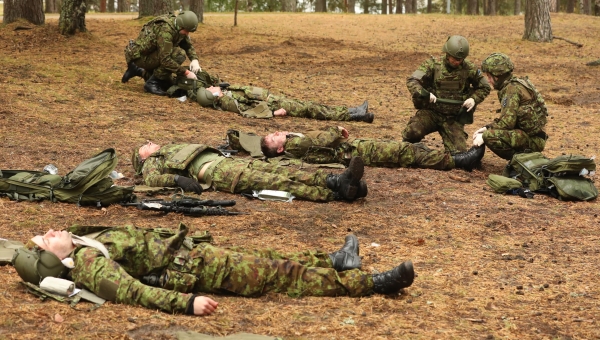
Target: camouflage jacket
(522, 108)
(162, 35)
(434, 75)
(243, 99)
(318, 147)
(160, 168)
(134, 253)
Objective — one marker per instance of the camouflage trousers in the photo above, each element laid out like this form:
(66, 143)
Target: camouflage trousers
(393, 154)
(151, 62)
(243, 175)
(306, 109)
(506, 143)
(425, 122)
(208, 269)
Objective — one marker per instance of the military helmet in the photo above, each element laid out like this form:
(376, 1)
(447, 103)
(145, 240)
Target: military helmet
(204, 97)
(36, 264)
(457, 46)
(187, 20)
(497, 64)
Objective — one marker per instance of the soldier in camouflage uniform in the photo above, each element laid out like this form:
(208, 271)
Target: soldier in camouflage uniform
(256, 102)
(333, 145)
(195, 167)
(437, 81)
(159, 51)
(156, 270)
(520, 127)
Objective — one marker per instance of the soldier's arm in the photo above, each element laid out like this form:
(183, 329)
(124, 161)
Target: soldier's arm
(164, 44)
(509, 101)
(186, 45)
(152, 172)
(421, 78)
(328, 136)
(107, 279)
(480, 84)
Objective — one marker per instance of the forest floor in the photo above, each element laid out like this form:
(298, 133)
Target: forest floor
(488, 266)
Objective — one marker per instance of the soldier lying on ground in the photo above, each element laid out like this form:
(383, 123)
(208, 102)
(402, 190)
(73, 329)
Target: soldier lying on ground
(160, 49)
(451, 77)
(520, 127)
(333, 145)
(195, 166)
(142, 267)
(256, 102)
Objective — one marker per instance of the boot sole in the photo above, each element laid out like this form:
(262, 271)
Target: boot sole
(356, 170)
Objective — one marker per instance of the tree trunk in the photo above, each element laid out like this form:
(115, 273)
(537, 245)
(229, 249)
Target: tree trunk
(597, 8)
(366, 5)
(472, 7)
(321, 6)
(161, 7)
(391, 6)
(102, 6)
(553, 6)
(197, 6)
(51, 6)
(587, 7)
(428, 6)
(121, 6)
(399, 6)
(111, 6)
(477, 7)
(351, 6)
(408, 6)
(145, 8)
(491, 7)
(384, 6)
(570, 6)
(288, 5)
(459, 5)
(517, 7)
(537, 21)
(30, 10)
(415, 6)
(235, 13)
(72, 17)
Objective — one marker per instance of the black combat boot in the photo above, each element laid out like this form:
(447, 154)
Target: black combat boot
(393, 280)
(347, 257)
(345, 185)
(469, 159)
(132, 71)
(362, 190)
(157, 86)
(361, 113)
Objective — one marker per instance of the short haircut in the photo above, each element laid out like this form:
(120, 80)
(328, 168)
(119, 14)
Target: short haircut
(269, 152)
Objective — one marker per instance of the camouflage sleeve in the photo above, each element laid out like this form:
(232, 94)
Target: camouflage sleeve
(152, 172)
(480, 84)
(510, 98)
(164, 44)
(186, 45)
(107, 279)
(422, 77)
(327, 137)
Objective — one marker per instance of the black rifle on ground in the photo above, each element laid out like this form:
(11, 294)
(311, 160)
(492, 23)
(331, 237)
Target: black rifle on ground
(187, 206)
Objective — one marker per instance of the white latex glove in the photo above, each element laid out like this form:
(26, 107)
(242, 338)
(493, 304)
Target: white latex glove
(195, 66)
(478, 139)
(432, 98)
(480, 131)
(190, 75)
(469, 104)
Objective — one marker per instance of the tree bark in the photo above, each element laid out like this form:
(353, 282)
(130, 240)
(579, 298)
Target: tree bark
(102, 6)
(415, 6)
(288, 5)
(408, 6)
(459, 5)
(51, 6)
(587, 7)
(384, 6)
(399, 6)
(121, 6)
(321, 6)
(517, 7)
(428, 6)
(30, 10)
(72, 17)
(472, 7)
(491, 7)
(161, 7)
(351, 6)
(145, 8)
(197, 6)
(366, 5)
(537, 21)
(391, 6)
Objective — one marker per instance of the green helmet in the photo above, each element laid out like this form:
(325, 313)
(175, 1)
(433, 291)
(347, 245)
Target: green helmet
(457, 46)
(187, 20)
(34, 265)
(205, 98)
(497, 64)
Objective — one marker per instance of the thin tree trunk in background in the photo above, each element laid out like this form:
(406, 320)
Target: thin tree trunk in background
(121, 6)
(197, 6)
(517, 7)
(408, 6)
(321, 6)
(399, 6)
(366, 5)
(570, 6)
(597, 8)
(391, 6)
(235, 13)
(111, 6)
(51, 6)
(553, 5)
(102, 6)
(491, 7)
(161, 7)
(477, 7)
(351, 6)
(30, 10)
(428, 6)
(145, 8)
(459, 5)
(384, 6)
(587, 7)
(537, 21)
(472, 7)
(415, 6)
(72, 17)
(288, 5)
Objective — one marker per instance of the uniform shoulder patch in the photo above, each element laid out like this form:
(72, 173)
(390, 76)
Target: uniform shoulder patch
(504, 101)
(478, 72)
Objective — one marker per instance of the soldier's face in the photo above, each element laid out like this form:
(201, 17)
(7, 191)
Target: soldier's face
(58, 242)
(490, 79)
(276, 140)
(455, 62)
(184, 32)
(148, 149)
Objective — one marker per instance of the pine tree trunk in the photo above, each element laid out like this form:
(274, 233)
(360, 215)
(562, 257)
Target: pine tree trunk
(399, 6)
(197, 6)
(366, 5)
(121, 6)
(408, 4)
(428, 6)
(321, 6)
(288, 5)
(391, 6)
(30, 10)
(570, 6)
(491, 7)
(161, 7)
(459, 5)
(537, 21)
(517, 7)
(72, 17)
(383, 6)
(51, 6)
(472, 7)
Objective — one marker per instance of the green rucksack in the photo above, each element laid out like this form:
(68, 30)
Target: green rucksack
(562, 177)
(87, 184)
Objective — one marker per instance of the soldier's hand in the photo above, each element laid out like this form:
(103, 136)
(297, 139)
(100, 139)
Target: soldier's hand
(188, 184)
(478, 140)
(280, 112)
(469, 104)
(432, 98)
(195, 66)
(480, 131)
(190, 75)
(344, 132)
(204, 305)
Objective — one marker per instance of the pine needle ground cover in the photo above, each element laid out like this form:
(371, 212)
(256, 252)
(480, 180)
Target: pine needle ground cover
(489, 266)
